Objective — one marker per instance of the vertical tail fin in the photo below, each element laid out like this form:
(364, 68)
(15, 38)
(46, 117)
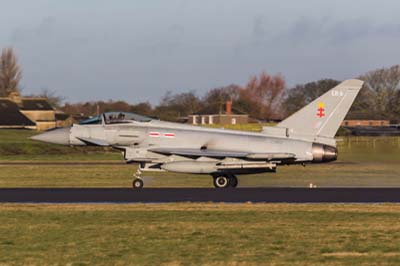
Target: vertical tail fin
(323, 116)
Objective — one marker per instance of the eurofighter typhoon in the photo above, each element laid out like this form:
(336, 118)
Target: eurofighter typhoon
(305, 137)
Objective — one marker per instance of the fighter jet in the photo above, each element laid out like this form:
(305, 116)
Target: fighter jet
(305, 137)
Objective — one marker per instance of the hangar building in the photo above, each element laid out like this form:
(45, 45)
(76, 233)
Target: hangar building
(30, 113)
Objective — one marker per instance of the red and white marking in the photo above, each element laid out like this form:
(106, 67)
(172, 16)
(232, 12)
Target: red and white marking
(154, 134)
(169, 135)
(158, 134)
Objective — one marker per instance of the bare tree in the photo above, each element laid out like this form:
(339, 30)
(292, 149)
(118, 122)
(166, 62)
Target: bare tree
(215, 99)
(95, 108)
(380, 95)
(10, 72)
(52, 97)
(143, 108)
(174, 106)
(264, 95)
(303, 94)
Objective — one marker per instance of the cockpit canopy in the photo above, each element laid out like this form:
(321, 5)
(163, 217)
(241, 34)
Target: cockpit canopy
(122, 117)
(91, 121)
(115, 118)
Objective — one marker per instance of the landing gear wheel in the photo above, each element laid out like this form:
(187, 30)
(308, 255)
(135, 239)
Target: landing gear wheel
(233, 181)
(137, 183)
(221, 181)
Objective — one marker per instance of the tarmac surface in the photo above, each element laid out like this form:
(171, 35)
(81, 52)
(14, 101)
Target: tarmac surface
(231, 195)
(63, 163)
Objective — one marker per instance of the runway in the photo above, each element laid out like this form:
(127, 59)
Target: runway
(41, 163)
(165, 195)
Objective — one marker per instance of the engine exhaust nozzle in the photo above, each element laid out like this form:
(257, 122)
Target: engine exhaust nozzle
(324, 153)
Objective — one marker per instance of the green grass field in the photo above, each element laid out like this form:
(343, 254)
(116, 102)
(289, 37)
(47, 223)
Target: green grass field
(15, 145)
(199, 234)
(363, 174)
(363, 161)
(196, 234)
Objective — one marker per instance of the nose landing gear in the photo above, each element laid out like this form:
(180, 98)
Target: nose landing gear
(137, 183)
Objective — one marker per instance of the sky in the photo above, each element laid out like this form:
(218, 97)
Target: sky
(138, 50)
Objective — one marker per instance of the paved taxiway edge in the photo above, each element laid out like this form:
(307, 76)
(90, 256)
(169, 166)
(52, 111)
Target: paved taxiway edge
(165, 195)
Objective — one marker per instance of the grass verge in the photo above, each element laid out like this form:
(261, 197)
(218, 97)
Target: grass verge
(363, 174)
(199, 234)
(363, 161)
(15, 145)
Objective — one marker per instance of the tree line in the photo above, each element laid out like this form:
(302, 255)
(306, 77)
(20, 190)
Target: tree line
(266, 97)
(263, 97)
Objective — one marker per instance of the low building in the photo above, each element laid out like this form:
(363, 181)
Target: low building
(63, 119)
(226, 118)
(375, 127)
(219, 119)
(11, 117)
(40, 111)
(366, 123)
(30, 112)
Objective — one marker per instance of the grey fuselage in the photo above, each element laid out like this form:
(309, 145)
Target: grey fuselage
(137, 139)
(307, 136)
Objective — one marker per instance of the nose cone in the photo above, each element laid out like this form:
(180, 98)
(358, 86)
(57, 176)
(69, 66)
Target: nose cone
(56, 136)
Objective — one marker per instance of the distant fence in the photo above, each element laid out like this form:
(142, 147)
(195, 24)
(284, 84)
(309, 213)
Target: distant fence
(358, 142)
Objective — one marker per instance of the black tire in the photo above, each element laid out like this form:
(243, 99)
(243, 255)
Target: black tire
(137, 183)
(221, 181)
(233, 181)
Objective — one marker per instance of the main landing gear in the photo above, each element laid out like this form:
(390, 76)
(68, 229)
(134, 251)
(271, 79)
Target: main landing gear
(225, 181)
(220, 180)
(137, 182)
